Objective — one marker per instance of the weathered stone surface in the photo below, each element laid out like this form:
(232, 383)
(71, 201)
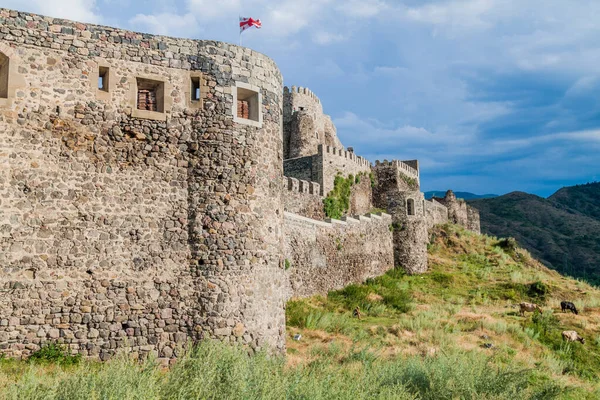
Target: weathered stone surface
(324, 256)
(112, 223)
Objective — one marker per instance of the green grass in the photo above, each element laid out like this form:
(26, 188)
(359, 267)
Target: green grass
(216, 371)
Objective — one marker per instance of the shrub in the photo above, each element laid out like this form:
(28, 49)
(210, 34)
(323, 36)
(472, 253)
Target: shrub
(54, 353)
(509, 245)
(337, 202)
(539, 290)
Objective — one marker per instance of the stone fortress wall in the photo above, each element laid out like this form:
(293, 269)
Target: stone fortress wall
(337, 252)
(303, 198)
(143, 202)
(128, 227)
(437, 213)
(325, 164)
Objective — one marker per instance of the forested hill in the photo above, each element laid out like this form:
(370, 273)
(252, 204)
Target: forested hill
(563, 231)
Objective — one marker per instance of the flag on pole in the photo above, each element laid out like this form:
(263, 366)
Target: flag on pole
(247, 23)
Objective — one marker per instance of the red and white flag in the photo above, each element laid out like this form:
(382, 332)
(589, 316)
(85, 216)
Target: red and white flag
(247, 23)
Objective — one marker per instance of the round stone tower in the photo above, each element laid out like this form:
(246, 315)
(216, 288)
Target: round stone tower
(142, 197)
(237, 230)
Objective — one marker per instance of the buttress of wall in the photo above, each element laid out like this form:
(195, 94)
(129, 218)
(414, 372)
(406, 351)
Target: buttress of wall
(136, 232)
(324, 256)
(473, 221)
(407, 206)
(437, 213)
(305, 126)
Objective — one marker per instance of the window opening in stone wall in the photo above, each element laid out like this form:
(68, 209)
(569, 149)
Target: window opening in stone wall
(247, 104)
(4, 64)
(195, 82)
(150, 95)
(410, 207)
(424, 207)
(103, 79)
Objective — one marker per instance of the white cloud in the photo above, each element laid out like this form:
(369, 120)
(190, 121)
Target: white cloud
(209, 9)
(457, 14)
(77, 10)
(166, 24)
(325, 38)
(361, 8)
(329, 69)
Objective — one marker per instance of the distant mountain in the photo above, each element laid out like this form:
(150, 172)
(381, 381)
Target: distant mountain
(563, 231)
(460, 195)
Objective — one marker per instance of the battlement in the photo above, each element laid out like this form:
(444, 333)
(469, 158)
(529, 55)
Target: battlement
(400, 165)
(301, 90)
(340, 152)
(301, 186)
(331, 222)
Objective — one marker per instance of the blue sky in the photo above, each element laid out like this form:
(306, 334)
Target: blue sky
(491, 96)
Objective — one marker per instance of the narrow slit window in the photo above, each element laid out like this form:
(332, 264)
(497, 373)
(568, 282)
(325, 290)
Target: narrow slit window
(410, 207)
(195, 81)
(4, 64)
(103, 79)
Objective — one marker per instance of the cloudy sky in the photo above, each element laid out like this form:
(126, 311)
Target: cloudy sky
(491, 96)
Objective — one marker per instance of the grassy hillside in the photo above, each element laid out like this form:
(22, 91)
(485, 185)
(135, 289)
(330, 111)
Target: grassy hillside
(562, 231)
(453, 333)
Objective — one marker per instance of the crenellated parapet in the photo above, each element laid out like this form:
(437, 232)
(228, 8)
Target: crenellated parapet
(302, 186)
(402, 167)
(345, 154)
(302, 91)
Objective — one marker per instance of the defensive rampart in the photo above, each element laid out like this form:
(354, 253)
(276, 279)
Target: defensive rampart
(436, 213)
(303, 198)
(140, 196)
(324, 256)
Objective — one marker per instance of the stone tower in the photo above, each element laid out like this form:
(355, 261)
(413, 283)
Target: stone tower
(305, 126)
(397, 190)
(140, 204)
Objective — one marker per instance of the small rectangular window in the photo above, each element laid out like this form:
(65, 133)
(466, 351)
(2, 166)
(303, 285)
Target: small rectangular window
(195, 81)
(150, 95)
(4, 64)
(103, 79)
(247, 104)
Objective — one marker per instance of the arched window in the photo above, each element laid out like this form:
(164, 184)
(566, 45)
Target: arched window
(4, 62)
(410, 207)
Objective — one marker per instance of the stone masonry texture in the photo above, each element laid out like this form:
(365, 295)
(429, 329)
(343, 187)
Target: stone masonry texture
(324, 256)
(118, 231)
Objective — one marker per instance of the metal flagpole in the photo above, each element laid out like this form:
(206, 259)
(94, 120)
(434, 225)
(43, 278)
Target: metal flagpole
(239, 19)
